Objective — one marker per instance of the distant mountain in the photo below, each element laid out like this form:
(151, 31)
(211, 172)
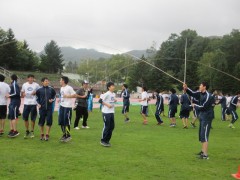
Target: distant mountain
(137, 53)
(72, 54)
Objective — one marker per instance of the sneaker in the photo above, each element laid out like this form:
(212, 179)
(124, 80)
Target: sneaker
(42, 137)
(14, 134)
(77, 128)
(185, 127)
(66, 139)
(27, 134)
(85, 127)
(47, 137)
(127, 120)
(10, 133)
(31, 134)
(204, 157)
(160, 123)
(63, 138)
(193, 124)
(145, 122)
(105, 144)
(200, 153)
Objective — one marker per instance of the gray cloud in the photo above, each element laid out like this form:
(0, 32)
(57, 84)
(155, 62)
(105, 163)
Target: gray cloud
(120, 24)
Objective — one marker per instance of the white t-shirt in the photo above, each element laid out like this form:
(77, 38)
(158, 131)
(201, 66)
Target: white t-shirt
(108, 98)
(144, 95)
(4, 90)
(28, 89)
(228, 100)
(66, 102)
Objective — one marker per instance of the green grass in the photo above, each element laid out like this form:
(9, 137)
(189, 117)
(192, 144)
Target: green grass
(137, 152)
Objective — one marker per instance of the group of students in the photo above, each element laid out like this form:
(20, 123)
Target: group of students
(200, 101)
(44, 98)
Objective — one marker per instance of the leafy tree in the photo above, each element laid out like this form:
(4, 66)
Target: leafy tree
(52, 59)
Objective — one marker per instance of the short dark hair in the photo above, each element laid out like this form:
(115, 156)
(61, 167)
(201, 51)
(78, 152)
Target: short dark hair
(144, 88)
(125, 85)
(204, 83)
(30, 75)
(109, 84)
(14, 77)
(238, 92)
(2, 78)
(173, 91)
(65, 79)
(157, 91)
(43, 79)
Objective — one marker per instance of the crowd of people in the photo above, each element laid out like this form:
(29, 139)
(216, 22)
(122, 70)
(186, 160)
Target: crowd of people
(42, 99)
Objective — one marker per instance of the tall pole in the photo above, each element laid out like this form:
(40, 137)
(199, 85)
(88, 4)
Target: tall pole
(185, 66)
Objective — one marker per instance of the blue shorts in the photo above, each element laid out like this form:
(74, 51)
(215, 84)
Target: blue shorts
(45, 115)
(3, 111)
(172, 112)
(65, 116)
(29, 109)
(14, 109)
(144, 109)
(184, 114)
(204, 130)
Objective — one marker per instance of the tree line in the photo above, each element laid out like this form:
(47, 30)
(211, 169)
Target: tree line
(16, 55)
(207, 59)
(204, 56)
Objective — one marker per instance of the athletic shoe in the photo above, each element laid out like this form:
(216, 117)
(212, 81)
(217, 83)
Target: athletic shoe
(231, 126)
(85, 127)
(47, 137)
(105, 144)
(14, 134)
(63, 138)
(193, 124)
(66, 139)
(160, 123)
(27, 134)
(77, 128)
(42, 137)
(145, 122)
(204, 157)
(185, 127)
(127, 120)
(200, 153)
(31, 134)
(10, 133)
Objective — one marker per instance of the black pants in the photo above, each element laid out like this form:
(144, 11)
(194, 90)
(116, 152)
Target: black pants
(157, 115)
(108, 127)
(81, 112)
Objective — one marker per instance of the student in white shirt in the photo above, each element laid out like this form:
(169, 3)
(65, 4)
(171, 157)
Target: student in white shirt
(144, 104)
(107, 100)
(30, 104)
(4, 91)
(65, 110)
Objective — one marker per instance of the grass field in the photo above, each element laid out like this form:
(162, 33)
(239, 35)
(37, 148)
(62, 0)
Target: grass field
(138, 151)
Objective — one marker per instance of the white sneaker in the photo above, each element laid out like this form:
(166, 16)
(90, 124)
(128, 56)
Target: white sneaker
(85, 127)
(77, 128)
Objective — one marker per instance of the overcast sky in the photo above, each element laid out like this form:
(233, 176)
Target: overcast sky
(115, 26)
